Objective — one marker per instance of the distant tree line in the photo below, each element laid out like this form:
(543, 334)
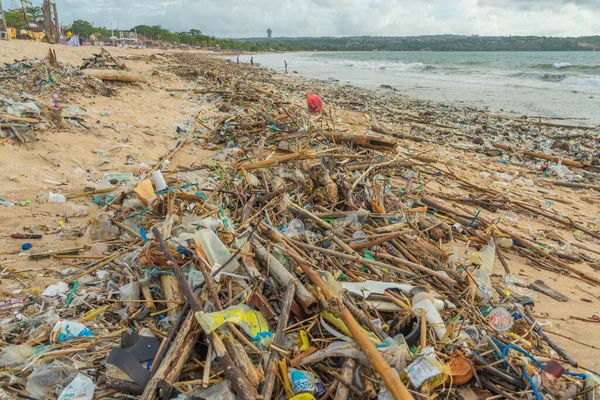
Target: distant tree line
(195, 37)
(422, 43)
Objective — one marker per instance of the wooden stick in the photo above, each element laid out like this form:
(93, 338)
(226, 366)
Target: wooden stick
(376, 242)
(370, 142)
(363, 260)
(285, 278)
(37, 256)
(500, 255)
(127, 229)
(207, 362)
(176, 357)
(535, 154)
(91, 192)
(267, 390)
(101, 263)
(347, 371)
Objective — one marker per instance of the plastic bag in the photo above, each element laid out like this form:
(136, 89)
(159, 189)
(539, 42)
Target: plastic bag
(427, 366)
(80, 388)
(54, 290)
(251, 321)
(131, 291)
(302, 381)
(97, 249)
(294, 229)
(48, 380)
(485, 256)
(117, 176)
(354, 220)
(335, 349)
(315, 104)
(15, 355)
(592, 383)
(103, 229)
(218, 391)
(73, 210)
(66, 330)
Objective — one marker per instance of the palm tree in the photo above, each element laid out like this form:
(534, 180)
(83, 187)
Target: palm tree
(34, 13)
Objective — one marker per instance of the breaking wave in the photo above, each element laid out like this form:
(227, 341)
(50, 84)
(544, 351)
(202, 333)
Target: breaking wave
(562, 65)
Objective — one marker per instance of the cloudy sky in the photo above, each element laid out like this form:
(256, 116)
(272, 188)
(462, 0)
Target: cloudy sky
(251, 18)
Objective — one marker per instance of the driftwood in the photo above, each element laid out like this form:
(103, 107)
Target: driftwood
(113, 75)
(285, 277)
(540, 286)
(369, 142)
(267, 390)
(381, 129)
(172, 365)
(542, 156)
(9, 117)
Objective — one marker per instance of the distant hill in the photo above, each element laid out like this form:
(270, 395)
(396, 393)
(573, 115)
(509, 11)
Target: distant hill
(420, 43)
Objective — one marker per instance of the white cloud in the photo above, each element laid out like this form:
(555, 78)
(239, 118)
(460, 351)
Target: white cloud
(251, 18)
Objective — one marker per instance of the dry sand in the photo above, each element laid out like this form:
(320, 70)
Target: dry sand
(150, 109)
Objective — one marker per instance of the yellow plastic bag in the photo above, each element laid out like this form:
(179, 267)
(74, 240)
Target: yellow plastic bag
(251, 321)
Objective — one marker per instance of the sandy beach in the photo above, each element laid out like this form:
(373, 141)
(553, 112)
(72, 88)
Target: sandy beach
(139, 125)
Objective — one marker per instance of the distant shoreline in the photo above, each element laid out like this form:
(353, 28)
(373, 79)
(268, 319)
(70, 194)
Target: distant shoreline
(536, 92)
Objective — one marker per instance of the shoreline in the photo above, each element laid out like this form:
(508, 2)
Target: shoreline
(538, 99)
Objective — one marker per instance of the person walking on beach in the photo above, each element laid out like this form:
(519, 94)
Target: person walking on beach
(238, 59)
(285, 63)
(251, 60)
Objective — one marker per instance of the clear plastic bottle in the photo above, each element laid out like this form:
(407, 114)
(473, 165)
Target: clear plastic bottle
(51, 197)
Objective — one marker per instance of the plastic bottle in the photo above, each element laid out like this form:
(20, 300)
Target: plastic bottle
(159, 181)
(51, 197)
(504, 243)
(6, 203)
(487, 255)
(423, 301)
(73, 210)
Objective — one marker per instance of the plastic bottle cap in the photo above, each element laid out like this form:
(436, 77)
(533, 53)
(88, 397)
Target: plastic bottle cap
(500, 319)
(26, 246)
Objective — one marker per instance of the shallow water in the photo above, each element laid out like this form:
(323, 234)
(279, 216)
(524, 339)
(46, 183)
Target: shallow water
(547, 84)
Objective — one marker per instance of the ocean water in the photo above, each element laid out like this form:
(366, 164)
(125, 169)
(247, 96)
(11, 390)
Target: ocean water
(546, 84)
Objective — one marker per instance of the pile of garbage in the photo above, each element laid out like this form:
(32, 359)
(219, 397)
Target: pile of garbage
(37, 94)
(304, 261)
(103, 60)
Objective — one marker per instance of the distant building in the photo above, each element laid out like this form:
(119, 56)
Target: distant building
(269, 32)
